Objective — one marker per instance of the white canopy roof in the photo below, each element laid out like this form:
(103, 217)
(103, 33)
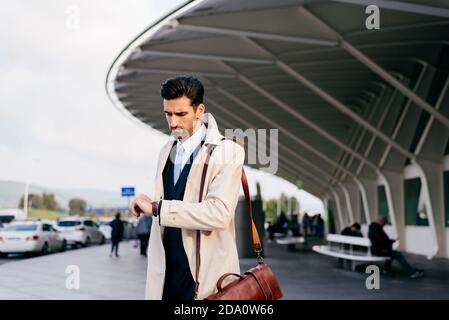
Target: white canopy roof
(346, 100)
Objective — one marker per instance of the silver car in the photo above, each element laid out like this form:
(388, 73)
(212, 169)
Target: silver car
(30, 237)
(80, 231)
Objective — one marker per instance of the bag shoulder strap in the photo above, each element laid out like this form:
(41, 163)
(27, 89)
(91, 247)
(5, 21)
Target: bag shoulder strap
(257, 245)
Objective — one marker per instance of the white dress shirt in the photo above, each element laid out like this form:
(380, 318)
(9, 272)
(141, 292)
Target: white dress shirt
(185, 149)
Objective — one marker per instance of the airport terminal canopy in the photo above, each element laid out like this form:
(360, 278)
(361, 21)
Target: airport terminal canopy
(348, 100)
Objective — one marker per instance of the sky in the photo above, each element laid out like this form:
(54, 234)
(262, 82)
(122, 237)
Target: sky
(58, 129)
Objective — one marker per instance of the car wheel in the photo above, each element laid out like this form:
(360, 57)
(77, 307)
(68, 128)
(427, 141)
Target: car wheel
(64, 246)
(44, 248)
(87, 243)
(103, 240)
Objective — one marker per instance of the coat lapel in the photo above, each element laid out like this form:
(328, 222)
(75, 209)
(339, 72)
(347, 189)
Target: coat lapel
(165, 152)
(159, 188)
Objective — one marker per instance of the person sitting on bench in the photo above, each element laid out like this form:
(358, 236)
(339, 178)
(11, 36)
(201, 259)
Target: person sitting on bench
(352, 230)
(382, 245)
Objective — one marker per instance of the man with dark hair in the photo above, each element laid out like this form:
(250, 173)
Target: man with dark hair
(382, 245)
(353, 230)
(178, 213)
(188, 87)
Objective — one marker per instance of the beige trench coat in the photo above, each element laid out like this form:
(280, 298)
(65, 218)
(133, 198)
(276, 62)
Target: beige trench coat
(214, 216)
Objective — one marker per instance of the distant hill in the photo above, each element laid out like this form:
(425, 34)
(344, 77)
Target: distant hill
(11, 191)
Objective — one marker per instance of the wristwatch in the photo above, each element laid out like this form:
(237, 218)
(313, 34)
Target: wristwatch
(154, 206)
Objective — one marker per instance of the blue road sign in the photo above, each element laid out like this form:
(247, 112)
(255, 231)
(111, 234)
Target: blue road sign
(127, 191)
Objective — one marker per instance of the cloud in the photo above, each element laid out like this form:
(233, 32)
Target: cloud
(57, 127)
(53, 106)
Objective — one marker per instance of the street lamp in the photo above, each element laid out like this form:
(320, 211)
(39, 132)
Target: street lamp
(27, 186)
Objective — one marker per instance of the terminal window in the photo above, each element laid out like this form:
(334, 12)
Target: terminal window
(382, 203)
(415, 211)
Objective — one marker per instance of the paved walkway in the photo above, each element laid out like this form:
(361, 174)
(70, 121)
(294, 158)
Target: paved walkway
(101, 277)
(308, 275)
(303, 275)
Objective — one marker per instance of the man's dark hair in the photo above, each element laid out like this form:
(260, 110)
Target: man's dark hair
(177, 87)
(356, 226)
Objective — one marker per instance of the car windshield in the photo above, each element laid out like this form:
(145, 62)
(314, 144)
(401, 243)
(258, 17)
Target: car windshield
(104, 223)
(6, 219)
(21, 227)
(68, 223)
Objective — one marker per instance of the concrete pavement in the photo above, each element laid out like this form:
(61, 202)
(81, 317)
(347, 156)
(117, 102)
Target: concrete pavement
(303, 275)
(101, 277)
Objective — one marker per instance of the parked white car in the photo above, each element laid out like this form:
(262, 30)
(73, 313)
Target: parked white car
(29, 237)
(80, 231)
(128, 230)
(8, 215)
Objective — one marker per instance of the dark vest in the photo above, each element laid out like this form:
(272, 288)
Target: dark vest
(179, 283)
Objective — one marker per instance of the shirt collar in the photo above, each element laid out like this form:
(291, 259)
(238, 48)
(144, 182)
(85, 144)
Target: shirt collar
(192, 142)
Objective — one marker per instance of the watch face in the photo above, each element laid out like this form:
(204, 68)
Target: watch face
(155, 205)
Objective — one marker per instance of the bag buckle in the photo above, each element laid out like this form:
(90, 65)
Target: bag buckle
(259, 257)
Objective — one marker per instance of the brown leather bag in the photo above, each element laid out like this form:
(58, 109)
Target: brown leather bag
(258, 283)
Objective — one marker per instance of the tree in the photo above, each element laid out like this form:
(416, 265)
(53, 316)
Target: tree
(295, 205)
(77, 206)
(35, 201)
(49, 202)
(20, 206)
(271, 206)
(284, 203)
(271, 210)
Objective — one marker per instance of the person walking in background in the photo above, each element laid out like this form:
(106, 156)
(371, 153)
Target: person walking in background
(319, 226)
(143, 230)
(117, 228)
(136, 239)
(270, 232)
(280, 226)
(306, 221)
(293, 225)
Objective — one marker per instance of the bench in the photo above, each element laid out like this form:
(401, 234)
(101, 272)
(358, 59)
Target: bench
(346, 248)
(290, 241)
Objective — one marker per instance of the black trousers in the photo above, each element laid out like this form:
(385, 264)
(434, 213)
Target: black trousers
(144, 238)
(179, 284)
(399, 257)
(115, 241)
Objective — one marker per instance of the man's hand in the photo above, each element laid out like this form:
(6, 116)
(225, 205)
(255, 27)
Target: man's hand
(141, 205)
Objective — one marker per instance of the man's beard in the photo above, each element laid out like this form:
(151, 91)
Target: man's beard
(180, 133)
